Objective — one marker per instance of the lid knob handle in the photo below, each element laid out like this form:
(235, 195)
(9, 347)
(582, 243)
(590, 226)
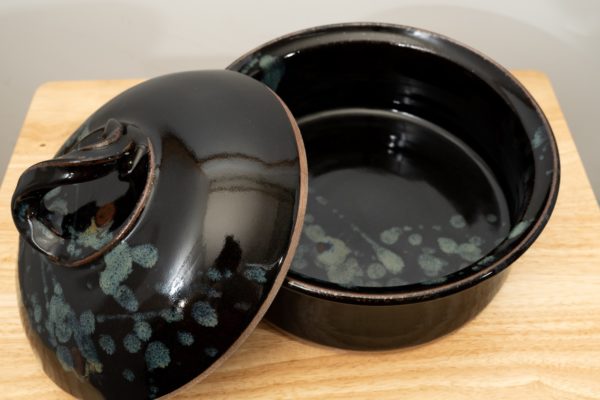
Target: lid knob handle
(74, 207)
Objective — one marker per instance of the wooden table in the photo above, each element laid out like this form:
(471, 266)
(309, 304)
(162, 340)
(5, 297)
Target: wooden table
(538, 339)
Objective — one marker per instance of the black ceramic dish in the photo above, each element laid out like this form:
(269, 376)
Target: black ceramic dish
(431, 169)
(156, 239)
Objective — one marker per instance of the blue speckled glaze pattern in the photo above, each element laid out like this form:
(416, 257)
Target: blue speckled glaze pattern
(88, 344)
(167, 302)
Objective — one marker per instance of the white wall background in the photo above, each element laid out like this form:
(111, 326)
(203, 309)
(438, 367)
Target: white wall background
(42, 40)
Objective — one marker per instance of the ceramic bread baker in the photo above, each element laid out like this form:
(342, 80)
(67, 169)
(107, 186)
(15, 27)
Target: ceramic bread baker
(164, 228)
(158, 233)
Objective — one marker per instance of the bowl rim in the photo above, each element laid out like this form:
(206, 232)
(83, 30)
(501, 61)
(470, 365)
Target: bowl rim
(437, 290)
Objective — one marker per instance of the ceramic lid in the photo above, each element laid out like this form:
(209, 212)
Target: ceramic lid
(159, 235)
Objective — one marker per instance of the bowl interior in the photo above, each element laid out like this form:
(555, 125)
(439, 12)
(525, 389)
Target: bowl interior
(419, 168)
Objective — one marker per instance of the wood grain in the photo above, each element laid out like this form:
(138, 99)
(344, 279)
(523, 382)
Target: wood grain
(538, 339)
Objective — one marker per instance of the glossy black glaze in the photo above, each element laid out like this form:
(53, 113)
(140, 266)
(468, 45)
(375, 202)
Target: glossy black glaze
(436, 192)
(366, 326)
(431, 170)
(217, 180)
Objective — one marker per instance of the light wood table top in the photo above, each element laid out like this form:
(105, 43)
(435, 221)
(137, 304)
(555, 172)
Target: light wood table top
(538, 339)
